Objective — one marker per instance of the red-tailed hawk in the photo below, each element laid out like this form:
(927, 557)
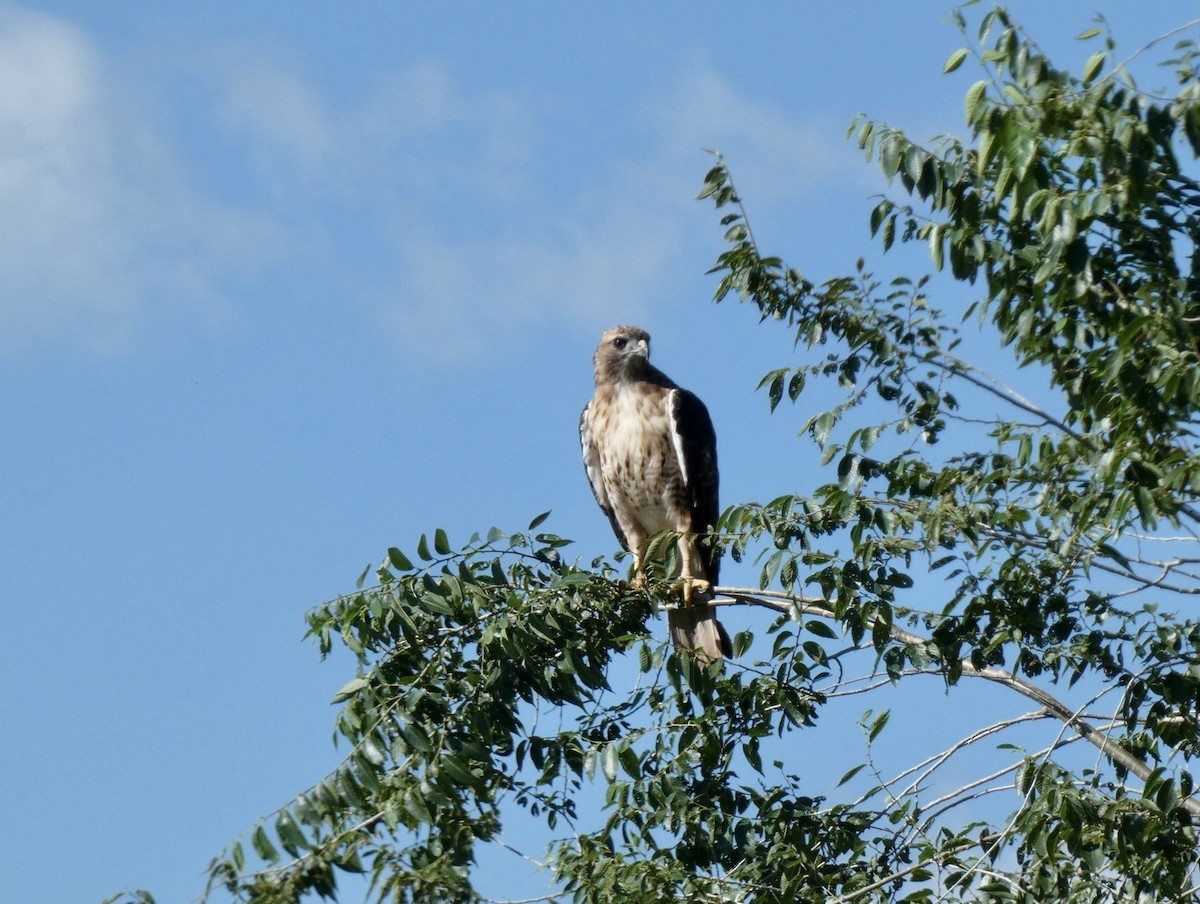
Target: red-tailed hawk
(650, 452)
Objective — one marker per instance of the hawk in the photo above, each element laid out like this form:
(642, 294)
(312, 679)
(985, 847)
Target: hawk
(650, 453)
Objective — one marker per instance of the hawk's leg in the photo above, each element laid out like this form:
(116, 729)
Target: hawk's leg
(639, 574)
(691, 573)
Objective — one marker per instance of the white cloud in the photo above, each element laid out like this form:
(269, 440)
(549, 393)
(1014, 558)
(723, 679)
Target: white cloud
(99, 227)
(283, 116)
(791, 154)
(464, 297)
(104, 230)
(617, 247)
(410, 131)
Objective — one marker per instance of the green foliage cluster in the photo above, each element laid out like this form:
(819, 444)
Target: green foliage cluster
(966, 531)
(463, 656)
(1071, 211)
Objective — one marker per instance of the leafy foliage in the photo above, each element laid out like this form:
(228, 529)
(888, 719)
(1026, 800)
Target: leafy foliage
(1071, 212)
(967, 531)
(461, 657)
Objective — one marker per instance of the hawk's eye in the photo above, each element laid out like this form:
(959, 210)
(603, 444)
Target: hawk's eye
(620, 341)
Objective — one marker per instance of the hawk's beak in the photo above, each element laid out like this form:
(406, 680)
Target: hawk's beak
(643, 349)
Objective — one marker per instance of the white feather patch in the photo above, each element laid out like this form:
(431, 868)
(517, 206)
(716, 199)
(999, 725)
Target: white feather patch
(676, 436)
(591, 457)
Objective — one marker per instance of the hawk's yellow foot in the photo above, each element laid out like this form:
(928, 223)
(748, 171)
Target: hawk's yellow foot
(687, 588)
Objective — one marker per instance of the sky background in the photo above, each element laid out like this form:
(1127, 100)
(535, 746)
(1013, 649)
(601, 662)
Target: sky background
(282, 285)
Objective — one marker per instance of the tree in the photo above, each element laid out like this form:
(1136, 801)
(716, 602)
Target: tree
(1041, 549)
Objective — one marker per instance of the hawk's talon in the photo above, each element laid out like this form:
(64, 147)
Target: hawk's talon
(687, 587)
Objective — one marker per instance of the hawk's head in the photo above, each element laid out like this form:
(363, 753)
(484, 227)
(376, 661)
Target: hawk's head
(623, 353)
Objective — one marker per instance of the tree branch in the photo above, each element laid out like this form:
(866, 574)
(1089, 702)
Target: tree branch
(784, 602)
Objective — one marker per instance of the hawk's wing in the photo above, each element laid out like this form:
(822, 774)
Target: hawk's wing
(695, 443)
(591, 464)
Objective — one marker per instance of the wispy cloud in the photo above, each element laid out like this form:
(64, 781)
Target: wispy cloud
(411, 132)
(617, 244)
(790, 153)
(291, 132)
(99, 227)
(450, 181)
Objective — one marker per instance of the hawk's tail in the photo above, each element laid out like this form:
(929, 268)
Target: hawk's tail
(696, 628)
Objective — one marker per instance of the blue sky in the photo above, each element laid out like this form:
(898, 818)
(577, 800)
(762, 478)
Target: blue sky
(282, 285)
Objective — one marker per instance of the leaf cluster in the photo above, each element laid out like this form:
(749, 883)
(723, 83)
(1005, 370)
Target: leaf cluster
(1073, 215)
(464, 653)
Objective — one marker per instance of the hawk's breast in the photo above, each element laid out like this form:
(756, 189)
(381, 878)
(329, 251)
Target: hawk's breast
(638, 460)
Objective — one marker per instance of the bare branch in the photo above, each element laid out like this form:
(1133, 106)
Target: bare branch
(933, 763)
(783, 602)
(1121, 66)
(985, 381)
(912, 867)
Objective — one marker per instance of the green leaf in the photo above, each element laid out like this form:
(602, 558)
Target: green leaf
(398, 560)
(536, 522)
(349, 787)
(753, 757)
(1020, 145)
(935, 246)
(289, 834)
(889, 232)
(822, 427)
(878, 725)
(889, 155)
(775, 392)
(914, 162)
(608, 761)
(1115, 554)
(263, 847)
(1144, 500)
(414, 803)
(793, 712)
(1092, 67)
(441, 543)
(351, 688)
(878, 213)
(630, 761)
(975, 95)
(414, 737)
(955, 60)
(796, 385)
(1191, 127)
(867, 437)
(821, 629)
(461, 774)
(850, 774)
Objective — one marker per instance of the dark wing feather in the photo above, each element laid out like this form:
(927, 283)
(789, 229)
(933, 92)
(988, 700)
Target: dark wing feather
(696, 441)
(591, 465)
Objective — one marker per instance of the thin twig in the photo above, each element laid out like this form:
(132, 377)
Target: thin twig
(912, 867)
(783, 602)
(1137, 53)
